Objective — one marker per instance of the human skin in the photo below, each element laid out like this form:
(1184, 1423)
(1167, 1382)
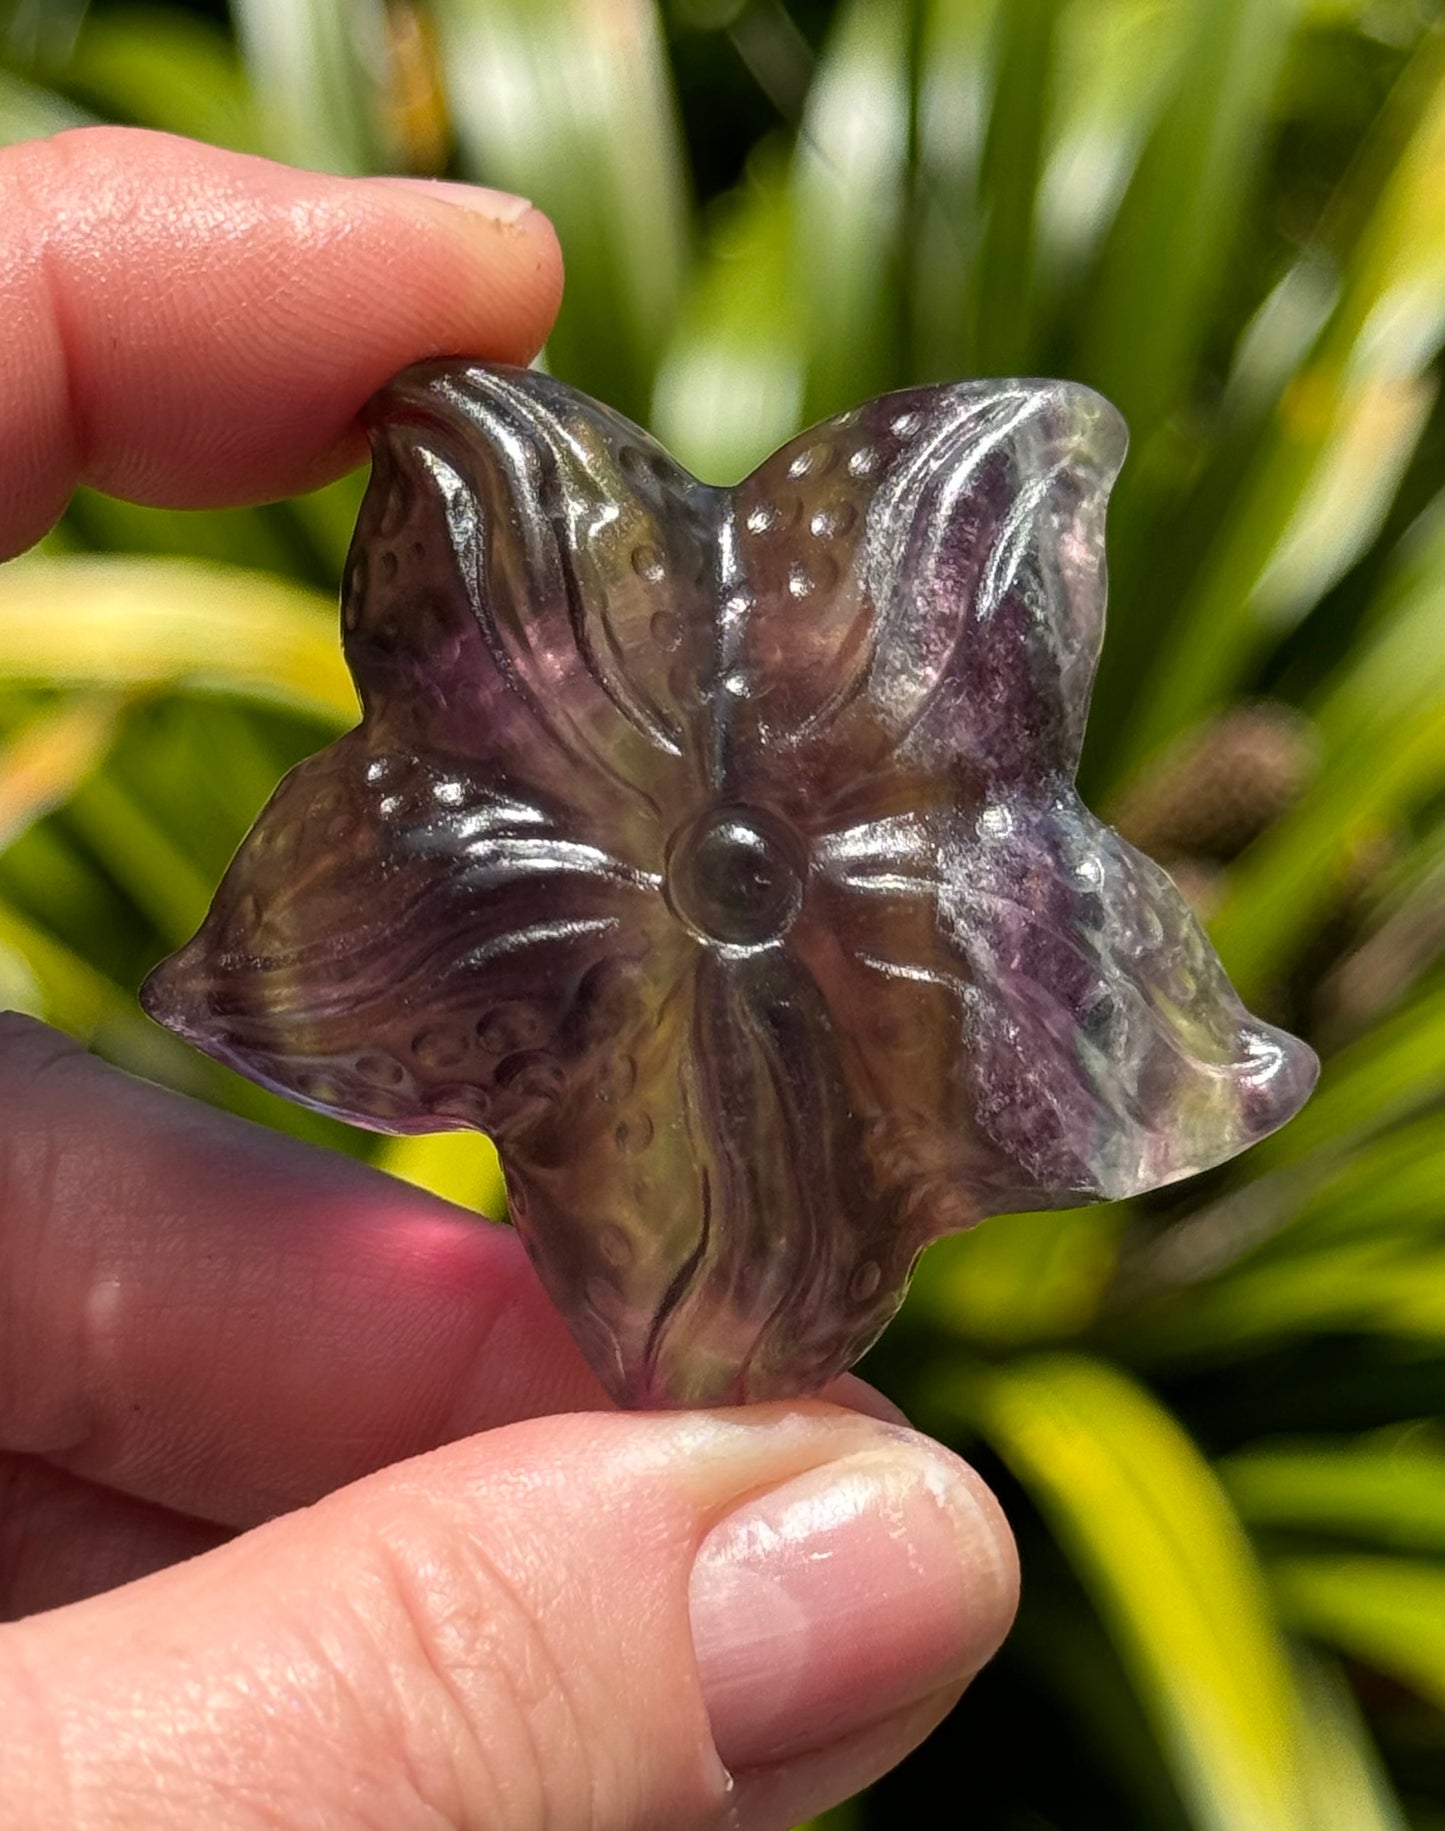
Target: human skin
(310, 1512)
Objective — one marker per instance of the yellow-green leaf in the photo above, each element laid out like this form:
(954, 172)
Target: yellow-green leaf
(173, 70)
(1021, 1278)
(27, 112)
(1393, 1493)
(730, 384)
(570, 103)
(1388, 1612)
(62, 987)
(1382, 727)
(1393, 1072)
(1350, 414)
(461, 1167)
(1162, 262)
(46, 760)
(124, 623)
(1171, 1572)
(848, 185)
(318, 70)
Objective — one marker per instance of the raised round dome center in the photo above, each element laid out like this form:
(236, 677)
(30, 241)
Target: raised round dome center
(735, 875)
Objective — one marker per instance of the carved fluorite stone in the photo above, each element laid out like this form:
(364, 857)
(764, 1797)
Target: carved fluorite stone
(717, 851)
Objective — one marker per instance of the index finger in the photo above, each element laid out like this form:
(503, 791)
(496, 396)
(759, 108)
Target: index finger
(230, 1323)
(192, 327)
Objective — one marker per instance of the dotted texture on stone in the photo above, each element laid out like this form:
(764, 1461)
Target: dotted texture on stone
(717, 851)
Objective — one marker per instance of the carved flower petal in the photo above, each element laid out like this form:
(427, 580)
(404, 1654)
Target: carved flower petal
(1103, 1048)
(531, 586)
(412, 948)
(895, 1001)
(710, 1216)
(925, 589)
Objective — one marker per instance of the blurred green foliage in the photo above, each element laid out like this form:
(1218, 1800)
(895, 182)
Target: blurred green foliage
(1214, 1414)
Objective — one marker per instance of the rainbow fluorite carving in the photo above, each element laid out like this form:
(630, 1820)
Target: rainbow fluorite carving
(717, 851)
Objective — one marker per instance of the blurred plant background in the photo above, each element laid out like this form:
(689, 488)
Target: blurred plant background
(1215, 1415)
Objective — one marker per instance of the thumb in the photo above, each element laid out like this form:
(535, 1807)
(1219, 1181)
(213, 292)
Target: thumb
(579, 1622)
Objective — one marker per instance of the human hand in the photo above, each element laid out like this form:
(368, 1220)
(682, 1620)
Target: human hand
(562, 1616)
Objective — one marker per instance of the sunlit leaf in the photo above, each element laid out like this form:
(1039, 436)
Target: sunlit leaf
(166, 69)
(1278, 337)
(72, 993)
(45, 875)
(1383, 1186)
(1164, 259)
(1124, 60)
(205, 813)
(1402, 935)
(317, 72)
(244, 537)
(129, 623)
(1389, 1183)
(570, 103)
(37, 35)
(20, 988)
(730, 386)
(328, 515)
(791, 314)
(1388, 1612)
(1352, 1240)
(848, 187)
(1382, 728)
(1013, 159)
(28, 112)
(1348, 416)
(1170, 1571)
(951, 114)
(844, 1817)
(43, 763)
(142, 857)
(1395, 1071)
(1067, 1651)
(1021, 1278)
(1390, 1493)
(458, 1166)
(1384, 1286)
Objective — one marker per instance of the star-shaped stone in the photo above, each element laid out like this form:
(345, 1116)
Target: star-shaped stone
(717, 851)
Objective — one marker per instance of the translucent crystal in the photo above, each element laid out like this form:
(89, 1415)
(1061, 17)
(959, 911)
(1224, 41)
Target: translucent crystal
(717, 851)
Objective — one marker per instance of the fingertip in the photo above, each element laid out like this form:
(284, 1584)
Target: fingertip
(843, 1596)
(481, 199)
(530, 267)
(192, 327)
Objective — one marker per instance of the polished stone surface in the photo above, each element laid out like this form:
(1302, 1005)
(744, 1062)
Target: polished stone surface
(717, 851)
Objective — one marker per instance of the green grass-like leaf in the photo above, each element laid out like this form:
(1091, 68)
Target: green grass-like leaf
(1171, 1571)
(1389, 1612)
